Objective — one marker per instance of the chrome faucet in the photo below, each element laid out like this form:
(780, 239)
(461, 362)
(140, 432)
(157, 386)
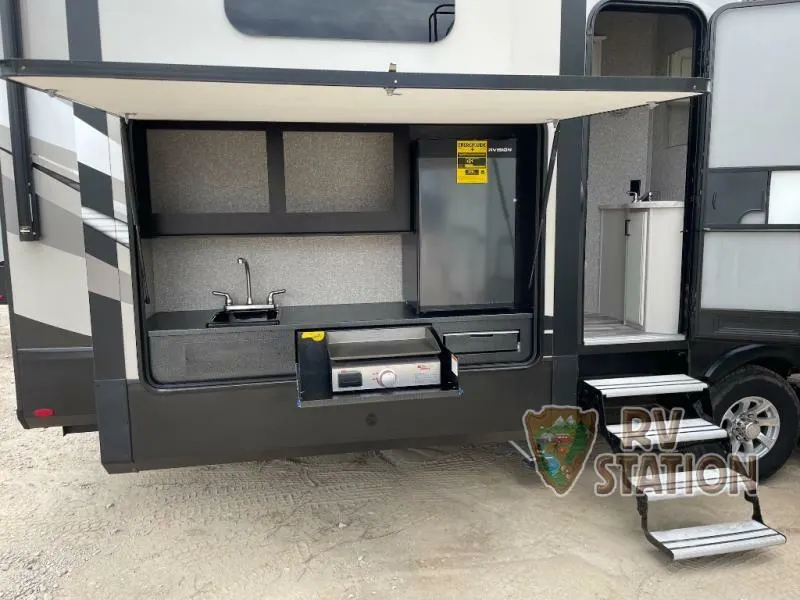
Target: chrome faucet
(271, 299)
(243, 261)
(249, 305)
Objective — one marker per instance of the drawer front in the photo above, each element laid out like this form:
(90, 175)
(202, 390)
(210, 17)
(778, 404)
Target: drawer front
(473, 342)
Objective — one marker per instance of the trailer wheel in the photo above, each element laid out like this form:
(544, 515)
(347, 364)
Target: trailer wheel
(761, 412)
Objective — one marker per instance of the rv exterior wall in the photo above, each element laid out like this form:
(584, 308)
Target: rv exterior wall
(44, 29)
(751, 270)
(58, 259)
(740, 79)
(511, 36)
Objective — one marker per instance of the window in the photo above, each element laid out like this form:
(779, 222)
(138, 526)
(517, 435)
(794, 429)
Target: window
(380, 20)
(783, 205)
(752, 197)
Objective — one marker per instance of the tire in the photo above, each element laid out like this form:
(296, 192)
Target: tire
(758, 382)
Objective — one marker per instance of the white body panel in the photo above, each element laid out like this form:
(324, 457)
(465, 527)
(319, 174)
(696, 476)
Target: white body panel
(503, 36)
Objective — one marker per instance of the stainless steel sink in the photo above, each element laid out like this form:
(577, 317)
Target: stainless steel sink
(229, 318)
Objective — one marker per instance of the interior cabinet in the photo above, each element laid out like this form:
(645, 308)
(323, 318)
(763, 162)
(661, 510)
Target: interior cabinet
(640, 264)
(635, 257)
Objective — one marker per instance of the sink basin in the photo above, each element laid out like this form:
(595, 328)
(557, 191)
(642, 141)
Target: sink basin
(226, 318)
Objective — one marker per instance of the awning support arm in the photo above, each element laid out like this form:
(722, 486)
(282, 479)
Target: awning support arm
(548, 183)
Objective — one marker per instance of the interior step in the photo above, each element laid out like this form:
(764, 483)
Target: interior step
(648, 385)
(686, 484)
(719, 538)
(687, 431)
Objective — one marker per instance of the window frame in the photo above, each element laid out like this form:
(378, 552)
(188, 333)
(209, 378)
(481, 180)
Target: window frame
(292, 25)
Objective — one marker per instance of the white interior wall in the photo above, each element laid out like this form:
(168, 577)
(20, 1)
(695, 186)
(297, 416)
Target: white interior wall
(668, 146)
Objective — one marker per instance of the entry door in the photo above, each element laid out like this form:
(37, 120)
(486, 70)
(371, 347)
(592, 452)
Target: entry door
(749, 272)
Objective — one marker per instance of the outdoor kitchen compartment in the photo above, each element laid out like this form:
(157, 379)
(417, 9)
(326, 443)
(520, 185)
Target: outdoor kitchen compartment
(463, 253)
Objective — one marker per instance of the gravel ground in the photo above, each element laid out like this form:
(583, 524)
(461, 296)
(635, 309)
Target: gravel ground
(467, 522)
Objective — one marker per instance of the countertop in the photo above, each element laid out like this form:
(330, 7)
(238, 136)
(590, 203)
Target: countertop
(301, 317)
(647, 205)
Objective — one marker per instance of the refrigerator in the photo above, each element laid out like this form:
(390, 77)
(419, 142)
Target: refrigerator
(465, 206)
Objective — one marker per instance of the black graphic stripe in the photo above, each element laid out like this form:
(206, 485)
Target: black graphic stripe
(100, 246)
(96, 190)
(92, 116)
(83, 30)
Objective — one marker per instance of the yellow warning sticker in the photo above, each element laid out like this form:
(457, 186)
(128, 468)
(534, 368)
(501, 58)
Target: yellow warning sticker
(471, 161)
(316, 336)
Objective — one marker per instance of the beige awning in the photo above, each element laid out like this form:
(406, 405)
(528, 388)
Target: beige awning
(167, 99)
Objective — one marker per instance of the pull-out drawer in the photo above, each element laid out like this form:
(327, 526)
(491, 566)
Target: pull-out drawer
(474, 342)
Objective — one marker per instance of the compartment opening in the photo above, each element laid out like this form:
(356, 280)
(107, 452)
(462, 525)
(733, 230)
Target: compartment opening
(640, 178)
(324, 217)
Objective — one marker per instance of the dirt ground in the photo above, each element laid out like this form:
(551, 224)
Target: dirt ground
(467, 522)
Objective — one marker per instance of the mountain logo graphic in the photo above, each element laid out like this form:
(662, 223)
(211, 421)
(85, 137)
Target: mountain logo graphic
(560, 439)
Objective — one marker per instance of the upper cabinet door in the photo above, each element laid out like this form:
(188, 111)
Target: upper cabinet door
(749, 271)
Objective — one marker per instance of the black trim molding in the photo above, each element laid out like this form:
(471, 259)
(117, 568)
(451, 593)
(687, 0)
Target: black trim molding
(743, 325)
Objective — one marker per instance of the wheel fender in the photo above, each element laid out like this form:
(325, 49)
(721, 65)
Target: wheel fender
(751, 354)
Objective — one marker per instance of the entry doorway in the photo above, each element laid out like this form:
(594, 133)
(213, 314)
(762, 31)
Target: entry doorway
(637, 184)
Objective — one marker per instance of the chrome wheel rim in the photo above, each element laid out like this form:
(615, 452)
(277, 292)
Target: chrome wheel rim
(753, 425)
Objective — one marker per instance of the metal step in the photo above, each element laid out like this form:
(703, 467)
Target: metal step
(686, 484)
(649, 385)
(688, 431)
(720, 538)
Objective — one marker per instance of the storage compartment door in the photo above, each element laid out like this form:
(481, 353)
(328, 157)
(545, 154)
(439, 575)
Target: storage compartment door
(749, 271)
(635, 260)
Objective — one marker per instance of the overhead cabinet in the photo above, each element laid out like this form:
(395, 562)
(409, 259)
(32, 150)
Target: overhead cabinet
(226, 179)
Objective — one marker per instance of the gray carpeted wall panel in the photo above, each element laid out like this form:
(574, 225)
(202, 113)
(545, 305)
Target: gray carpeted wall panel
(313, 269)
(207, 171)
(338, 171)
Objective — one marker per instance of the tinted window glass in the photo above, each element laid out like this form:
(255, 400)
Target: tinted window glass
(385, 20)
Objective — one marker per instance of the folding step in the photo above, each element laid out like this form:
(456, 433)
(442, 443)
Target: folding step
(719, 538)
(686, 484)
(704, 540)
(687, 431)
(648, 385)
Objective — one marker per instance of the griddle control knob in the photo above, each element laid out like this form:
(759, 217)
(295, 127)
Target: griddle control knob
(387, 378)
